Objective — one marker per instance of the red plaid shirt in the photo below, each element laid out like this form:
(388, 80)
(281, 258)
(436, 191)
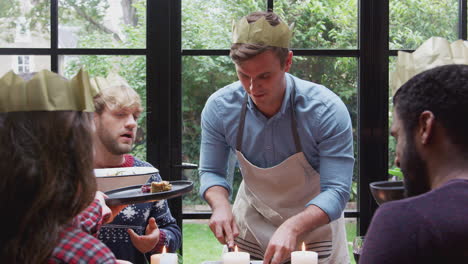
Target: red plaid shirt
(78, 242)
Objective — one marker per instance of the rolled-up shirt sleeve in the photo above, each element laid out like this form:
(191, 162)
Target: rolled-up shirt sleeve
(214, 150)
(336, 160)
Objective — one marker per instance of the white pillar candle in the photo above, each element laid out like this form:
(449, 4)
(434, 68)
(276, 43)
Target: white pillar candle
(304, 257)
(169, 258)
(236, 258)
(156, 258)
(164, 258)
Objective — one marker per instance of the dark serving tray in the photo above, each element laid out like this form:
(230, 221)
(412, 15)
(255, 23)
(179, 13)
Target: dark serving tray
(133, 194)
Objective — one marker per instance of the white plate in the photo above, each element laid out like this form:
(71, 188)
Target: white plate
(114, 178)
(124, 171)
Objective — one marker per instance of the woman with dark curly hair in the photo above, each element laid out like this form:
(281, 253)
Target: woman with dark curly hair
(47, 187)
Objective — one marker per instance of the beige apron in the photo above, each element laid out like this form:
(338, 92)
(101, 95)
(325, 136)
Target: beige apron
(269, 196)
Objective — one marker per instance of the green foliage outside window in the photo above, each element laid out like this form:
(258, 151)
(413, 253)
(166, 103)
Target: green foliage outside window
(329, 24)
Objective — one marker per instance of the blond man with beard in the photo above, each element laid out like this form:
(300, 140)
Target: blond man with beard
(141, 229)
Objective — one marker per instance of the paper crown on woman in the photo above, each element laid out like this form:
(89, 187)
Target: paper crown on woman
(435, 51)
(262, 33)
(46, 91)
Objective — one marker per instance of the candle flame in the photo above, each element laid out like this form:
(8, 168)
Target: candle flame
(236, 249)
(164, 249)
(303, 246)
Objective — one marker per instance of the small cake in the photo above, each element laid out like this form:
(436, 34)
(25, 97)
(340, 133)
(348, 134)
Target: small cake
(161, 186)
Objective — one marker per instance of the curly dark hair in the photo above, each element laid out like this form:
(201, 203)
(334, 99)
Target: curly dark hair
(46, 164)
(443, 91)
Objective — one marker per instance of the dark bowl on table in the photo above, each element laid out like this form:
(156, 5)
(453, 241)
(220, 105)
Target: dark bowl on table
(384, 191)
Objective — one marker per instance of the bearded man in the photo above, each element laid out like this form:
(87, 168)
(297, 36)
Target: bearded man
(141, 229)
(432, 150)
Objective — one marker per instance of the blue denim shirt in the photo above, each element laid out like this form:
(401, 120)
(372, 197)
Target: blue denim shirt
(324, 127)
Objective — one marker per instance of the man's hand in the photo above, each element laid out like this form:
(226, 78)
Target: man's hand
(222, 222)
(223, 226)
(108, 212)
(284, 240)
(146, 242)
(281, 244)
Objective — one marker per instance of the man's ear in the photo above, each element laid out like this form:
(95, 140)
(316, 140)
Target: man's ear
(288, 62)
(426, 126)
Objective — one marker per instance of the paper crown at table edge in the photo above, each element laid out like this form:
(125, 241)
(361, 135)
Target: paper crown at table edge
(434, 52)
(46, 91)
(262, 33)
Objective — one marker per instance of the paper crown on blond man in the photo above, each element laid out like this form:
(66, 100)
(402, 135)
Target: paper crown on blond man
(115, 92)
(112, 80)
(262, 33)
(46, 91)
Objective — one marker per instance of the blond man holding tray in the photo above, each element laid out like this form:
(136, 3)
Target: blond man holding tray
(141, 229)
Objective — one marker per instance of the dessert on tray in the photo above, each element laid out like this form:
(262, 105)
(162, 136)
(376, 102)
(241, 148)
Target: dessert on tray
(161, 186)
(156, 187)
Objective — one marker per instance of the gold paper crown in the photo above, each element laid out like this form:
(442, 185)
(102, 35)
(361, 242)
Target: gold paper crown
(262, 33)
(434, 52)
(112, 80)
(46, 91)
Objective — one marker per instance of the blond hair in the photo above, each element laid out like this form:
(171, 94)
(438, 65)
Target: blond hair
(117, 97)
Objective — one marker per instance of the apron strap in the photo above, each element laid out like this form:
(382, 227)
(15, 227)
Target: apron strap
(240, 132)
(297, 141)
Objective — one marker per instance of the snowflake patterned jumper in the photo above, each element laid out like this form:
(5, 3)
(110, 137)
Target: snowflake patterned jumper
(135, 216)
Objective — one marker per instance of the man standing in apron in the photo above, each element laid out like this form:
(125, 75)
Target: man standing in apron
(293, 141)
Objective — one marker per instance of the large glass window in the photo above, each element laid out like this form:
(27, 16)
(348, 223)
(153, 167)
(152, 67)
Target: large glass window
(332, 44)
(107, 24)
(25, 24)
(201, 76)
(23, 63)
(102, 24)
(412, 22)
(391, 140)
(321, 24)
(208, 24)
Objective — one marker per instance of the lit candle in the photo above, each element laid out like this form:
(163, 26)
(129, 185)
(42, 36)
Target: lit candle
(236, 257)
(164, 258)
(304, 257)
